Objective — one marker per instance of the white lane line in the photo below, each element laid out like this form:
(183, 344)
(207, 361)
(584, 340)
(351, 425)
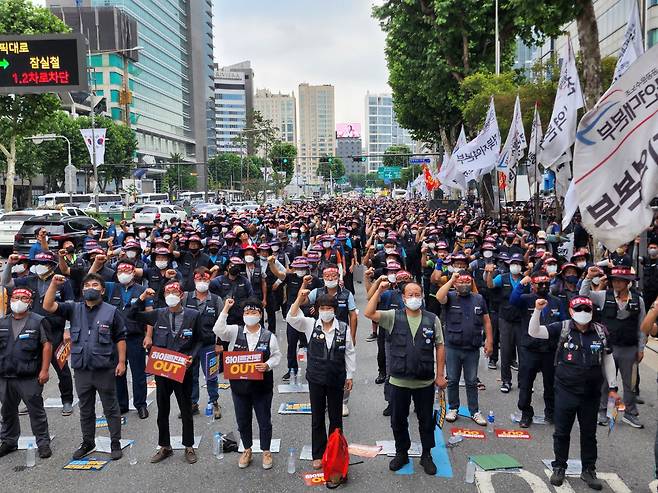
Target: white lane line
(484, 483)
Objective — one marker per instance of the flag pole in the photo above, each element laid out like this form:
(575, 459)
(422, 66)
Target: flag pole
(536, 165)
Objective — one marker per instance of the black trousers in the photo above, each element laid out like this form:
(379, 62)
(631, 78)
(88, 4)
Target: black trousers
(348, 280)
(568, 406)
(103, 382)
(271, 309)
(324, 397)
(496, 335)
(294, 337)
(381, 350)
(164, 387)
(424, 404)
(530, 363)
(12, 391)
(247, 404)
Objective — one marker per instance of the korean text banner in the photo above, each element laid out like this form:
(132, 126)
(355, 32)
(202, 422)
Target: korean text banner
(165, 363)
(241, 365)
(615, 161)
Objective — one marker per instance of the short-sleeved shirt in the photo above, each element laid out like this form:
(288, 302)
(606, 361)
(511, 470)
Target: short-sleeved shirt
(17, 327)
(386, 321)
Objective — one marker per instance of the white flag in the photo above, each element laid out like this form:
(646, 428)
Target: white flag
(482, 152)
(454, 178)
(562, 174)
(95, 139)
(616, 156)
(536, 135)
(514, 144)
(561, 131)
(632, 47)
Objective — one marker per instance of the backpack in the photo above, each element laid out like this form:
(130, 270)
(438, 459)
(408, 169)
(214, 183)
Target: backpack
(336, 460)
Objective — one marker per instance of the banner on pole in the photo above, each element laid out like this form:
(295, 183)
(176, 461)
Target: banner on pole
(95, 140)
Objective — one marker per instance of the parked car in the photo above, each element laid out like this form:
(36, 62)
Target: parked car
(59, 228)
(146, 214)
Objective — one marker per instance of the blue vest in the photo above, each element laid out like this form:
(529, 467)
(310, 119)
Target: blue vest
(464, 321)
(92, 347)
(209, 315)
(251, 387)
(327, 366)
(182, 341)
(20, 357)
(412, 358)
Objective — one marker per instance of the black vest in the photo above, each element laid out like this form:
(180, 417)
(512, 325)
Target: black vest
(20, 357)
(55, 322)
(293, 285)
(184, 340)
(256, 279)
(208, 316)
(92, 347)
(264, 386)
(413, 358)
(132, 327)
(650, 274)
(327, 367)
(342, 296)
(458, 333)
(507, 311)
(553, 315)
(621, 332)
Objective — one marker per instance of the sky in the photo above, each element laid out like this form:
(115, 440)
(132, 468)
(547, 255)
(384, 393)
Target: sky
(316, 41)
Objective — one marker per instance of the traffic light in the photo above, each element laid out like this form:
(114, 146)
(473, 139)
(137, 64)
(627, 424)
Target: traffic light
(285, 160)
(330, 160)
(359, 159)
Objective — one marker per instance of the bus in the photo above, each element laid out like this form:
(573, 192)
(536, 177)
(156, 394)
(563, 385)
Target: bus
(152, 198)
(83, 201)
(191, 196)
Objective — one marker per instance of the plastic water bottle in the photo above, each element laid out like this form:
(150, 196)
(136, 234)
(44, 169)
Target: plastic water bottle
(30, 456)
(470, 472)
(301, 355)
(209, 414)
(218, 446)
(293, 378)
(292, 461)
(491, 419)
(132, 458)
(610, 411)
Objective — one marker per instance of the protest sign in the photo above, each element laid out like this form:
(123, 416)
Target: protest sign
(241, 365)
(167, 364)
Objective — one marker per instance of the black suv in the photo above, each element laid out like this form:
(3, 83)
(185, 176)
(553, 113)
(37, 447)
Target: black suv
(59, 229)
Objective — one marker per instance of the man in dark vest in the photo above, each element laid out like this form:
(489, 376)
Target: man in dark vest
(330, 367)
(466, 320)
(178, 329)
(252, 396)
(650, 272)
(25, 354)
(416, 342)
(234, 285)
(209, 306)
(622, 312)
(98, 355)
(189, 260)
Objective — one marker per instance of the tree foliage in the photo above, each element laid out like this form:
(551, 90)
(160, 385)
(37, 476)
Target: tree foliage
(334, 169)
(390, 159)
(282, 156)
(227, 167)
(178, 176)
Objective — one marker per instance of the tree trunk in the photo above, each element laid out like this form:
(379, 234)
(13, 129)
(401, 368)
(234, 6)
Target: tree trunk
(486, 191)
(588, 36)
(445, 141)
(11, 173)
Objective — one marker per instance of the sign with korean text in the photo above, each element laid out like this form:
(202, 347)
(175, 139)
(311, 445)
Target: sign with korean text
(314, 478)
(468, 433)
(62, 353)
(42, 63)
(515, 434)
(241, 365)
(615, 161)
(86, 465)
(389, 172)
(212, 366)
(165, 363)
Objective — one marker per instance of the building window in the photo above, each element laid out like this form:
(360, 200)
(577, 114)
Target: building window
(652, 35)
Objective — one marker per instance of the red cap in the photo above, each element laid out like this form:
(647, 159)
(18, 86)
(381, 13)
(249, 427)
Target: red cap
(580, 300)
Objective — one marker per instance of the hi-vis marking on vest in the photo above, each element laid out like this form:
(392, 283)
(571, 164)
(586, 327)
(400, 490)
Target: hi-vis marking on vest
(484, 482)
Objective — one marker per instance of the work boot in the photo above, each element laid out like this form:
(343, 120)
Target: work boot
(162, 454)
(85, 448)
(526, 421)
(399, 461)
(5, 449)
(45, 452)
(115, 450)
(190, 455)
(427, 464)
(589, 476)
(557, 478)
(216, 410)
(381, 378)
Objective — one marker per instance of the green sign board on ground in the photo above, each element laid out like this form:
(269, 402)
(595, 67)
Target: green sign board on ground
(389, 172)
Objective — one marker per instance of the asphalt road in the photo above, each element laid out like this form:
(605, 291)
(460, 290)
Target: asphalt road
(625, 457)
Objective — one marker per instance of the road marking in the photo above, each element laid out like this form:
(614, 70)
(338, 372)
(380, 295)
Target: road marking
(653, 486)
(440, 455)
(483, 480)
(565, 488)
(614, 481)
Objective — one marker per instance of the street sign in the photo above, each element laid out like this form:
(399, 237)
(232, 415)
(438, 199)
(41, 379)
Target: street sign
(389, 172)
(70, 184)
(424, 160)
(42, 63)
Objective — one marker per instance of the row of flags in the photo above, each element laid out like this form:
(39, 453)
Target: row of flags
(611, 141)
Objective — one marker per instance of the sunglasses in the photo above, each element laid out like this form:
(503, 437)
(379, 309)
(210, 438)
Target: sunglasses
(583, 308)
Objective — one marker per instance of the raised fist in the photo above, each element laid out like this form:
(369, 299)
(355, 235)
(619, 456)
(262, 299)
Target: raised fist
(540, 304)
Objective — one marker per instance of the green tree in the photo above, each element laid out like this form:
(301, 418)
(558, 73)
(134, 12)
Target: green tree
(178, 177)
(23, 115)
(282, 157)
(331, 166)
(390, 159)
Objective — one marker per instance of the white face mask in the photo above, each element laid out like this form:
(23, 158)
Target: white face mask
(249, 259)
(431, 245)
(551, 269)
(300, 273)
(582, 318)
(275, 248)
(142, 236)
(19, 306)
(172, 300)
(515, 269)
(161, 264)
(581, 265)
(327, 316)
(18, 269)
(487, 254)
(381, 235)
(389, 251)
(125, 278)
(224, 230)
(653, 252)
(331, 284)
(250, 320)
(391, 278)
(131, 254)
(451, 268)
(294, 234)
(596, 280)
(326, 244)
(201, 286)
(41, 270)
(413, 303)
(414, 231)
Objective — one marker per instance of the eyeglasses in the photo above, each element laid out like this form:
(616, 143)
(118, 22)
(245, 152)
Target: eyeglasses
(582, 308)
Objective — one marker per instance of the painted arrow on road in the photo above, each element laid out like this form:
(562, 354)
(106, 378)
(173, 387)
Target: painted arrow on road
(4, 63)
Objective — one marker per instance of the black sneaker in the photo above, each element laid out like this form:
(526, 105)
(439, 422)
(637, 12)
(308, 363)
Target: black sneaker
(372, 337)
(381, 378)
(115, 451)
(505, 387)
(387, 411)
(5, 449)
(492, 365)
(639, 400)
(398, 462)
(45, 451)
(286, 377)
(85, 448)
(557, 478)
(525, 421)
(589, 476)
(428, 465)
(514, 365)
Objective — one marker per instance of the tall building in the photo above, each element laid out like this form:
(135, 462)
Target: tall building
(317, 136)
(173, 79)
(281, 109)
(234, 104)
(348, 145)
(382, 130)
